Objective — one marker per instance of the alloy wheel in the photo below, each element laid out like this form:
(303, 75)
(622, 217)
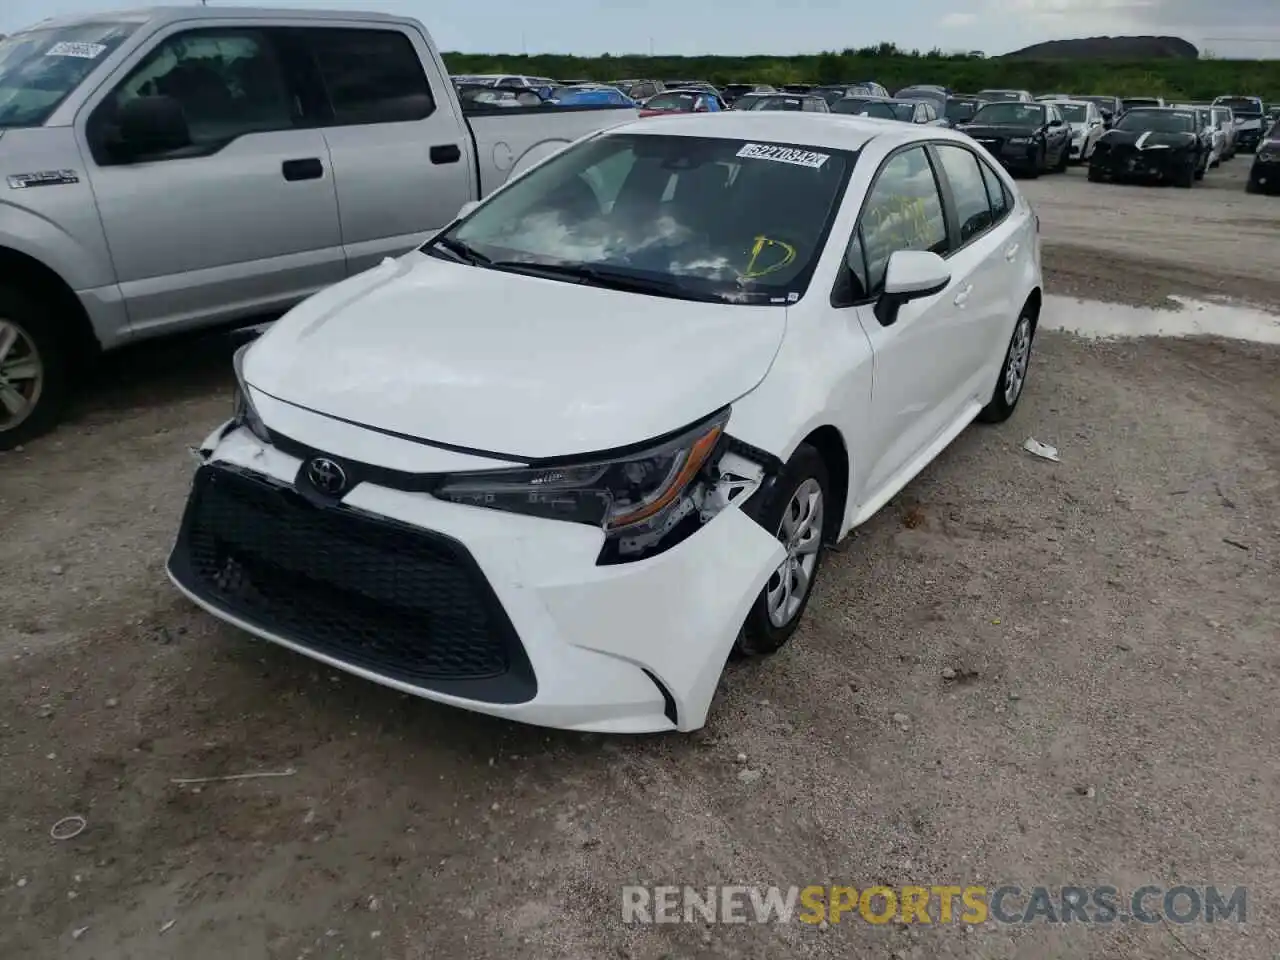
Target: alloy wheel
(1015, 373)
(801, 533)
(21, 375)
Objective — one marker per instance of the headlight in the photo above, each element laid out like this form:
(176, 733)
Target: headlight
(243, 412)
(629, 494)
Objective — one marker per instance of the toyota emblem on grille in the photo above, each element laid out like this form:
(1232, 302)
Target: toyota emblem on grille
(326, 476)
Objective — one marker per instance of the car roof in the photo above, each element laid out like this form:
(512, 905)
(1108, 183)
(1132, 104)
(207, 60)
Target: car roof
(164, 14)
(830, 130)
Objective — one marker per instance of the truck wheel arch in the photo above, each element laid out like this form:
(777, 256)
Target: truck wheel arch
(41, 282)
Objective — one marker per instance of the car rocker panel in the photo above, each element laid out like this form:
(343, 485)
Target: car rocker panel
(1146, 154)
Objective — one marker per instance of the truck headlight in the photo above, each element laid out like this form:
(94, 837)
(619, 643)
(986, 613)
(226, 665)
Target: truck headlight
(625, 494)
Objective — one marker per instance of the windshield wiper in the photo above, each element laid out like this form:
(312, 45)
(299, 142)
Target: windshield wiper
(610, 279)
(461, 251)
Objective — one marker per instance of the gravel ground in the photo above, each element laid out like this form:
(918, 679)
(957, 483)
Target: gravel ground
(1019, 671)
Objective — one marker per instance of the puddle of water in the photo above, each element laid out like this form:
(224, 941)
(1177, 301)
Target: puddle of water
(1196, 318)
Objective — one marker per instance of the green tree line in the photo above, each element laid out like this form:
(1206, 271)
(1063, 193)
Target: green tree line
(886, 64)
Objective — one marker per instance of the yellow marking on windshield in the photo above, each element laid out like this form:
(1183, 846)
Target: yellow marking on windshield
(760, 245)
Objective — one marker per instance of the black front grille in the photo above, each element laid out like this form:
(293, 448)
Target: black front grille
(405, 603)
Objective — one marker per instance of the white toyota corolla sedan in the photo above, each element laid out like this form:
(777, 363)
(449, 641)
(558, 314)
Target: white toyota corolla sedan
(562, 461)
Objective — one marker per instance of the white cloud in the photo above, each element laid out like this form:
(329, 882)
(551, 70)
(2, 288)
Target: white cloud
(959, 19)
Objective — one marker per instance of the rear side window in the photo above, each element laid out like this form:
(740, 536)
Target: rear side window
(371, 76)
(997, 193)
(973, 209)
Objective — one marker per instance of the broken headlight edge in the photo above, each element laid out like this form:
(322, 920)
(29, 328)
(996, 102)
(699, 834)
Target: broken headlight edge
(243, 413)
(627, 495)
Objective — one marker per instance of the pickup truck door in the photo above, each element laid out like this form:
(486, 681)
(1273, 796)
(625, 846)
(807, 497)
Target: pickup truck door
(402, 157)
(242, 221)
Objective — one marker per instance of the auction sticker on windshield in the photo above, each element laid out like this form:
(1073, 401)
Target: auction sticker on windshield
(68, 48)
(802, 158)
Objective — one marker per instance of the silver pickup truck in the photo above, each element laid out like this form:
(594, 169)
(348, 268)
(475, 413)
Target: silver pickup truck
(177, 168)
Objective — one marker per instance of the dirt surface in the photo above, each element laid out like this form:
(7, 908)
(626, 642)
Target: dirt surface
(1138, 244)
(1019, 671)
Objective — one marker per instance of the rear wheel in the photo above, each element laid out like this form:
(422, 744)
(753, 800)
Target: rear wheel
(796, 509)
(1013, 372)
(33, 370)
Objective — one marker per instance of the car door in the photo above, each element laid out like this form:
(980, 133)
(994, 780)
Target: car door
(981, 269)
(241, 221)
(917, 382)
(398, 152)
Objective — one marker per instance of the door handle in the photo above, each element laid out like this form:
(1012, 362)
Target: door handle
(963, 296)
(1011, 252)
(309, 169)
(446, 153)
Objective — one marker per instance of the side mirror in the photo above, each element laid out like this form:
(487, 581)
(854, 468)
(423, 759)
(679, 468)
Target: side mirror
(910, 275)
(467, 208)
(1056, 123)
(151, 125)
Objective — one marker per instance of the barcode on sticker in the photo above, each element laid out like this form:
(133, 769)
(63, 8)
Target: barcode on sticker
(72, 48)
(801, 158)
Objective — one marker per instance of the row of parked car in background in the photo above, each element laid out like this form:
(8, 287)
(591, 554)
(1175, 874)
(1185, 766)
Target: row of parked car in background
(1146, 138)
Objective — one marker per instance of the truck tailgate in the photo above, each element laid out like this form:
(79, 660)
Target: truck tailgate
(510, 140)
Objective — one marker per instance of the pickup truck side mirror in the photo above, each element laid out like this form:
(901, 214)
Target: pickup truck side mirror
(151, 125)
(910, 275)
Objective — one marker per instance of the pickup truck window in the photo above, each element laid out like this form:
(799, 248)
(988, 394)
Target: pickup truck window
(38, 68)
(699, 217)
(372, 76)
(227, 81)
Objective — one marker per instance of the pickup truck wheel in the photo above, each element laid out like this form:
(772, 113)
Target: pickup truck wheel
(1013, 372)
(33, 371)
(795, 508)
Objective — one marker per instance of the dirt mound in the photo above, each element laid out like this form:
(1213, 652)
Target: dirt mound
(1109, 48)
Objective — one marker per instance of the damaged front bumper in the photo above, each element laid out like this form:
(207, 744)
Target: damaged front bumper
(504, 614)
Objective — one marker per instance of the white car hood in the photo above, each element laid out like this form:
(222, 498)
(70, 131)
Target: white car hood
(508, 364)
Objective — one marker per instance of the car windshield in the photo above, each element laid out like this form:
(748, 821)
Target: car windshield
(853, 104)
(1011, 114)
(1073, 112)
(959, 111)
(775, 103)
(887, 111)
(1159, 121)
(1241, 105)
(39, 68)
(681, 102)
(998, 94)
(695, 218)
(1131, 102)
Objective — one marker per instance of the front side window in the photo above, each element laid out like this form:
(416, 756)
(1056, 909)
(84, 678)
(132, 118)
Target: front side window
(372, 76)
(706, 218)
(40, 68)
(228, 82)
(973, 209)
(903, 211)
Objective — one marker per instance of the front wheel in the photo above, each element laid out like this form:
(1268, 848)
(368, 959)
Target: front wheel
(797, 508)
(1013, 372)
(33, 374)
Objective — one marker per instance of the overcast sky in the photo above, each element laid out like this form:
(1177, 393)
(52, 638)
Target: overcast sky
(1225, 27)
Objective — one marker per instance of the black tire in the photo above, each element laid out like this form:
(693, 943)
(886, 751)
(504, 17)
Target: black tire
(38, 341)
(1251, 187)
(1000, 408)
(1064, 158)
(1186, 178)
(1095, 174)
(759, 634)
